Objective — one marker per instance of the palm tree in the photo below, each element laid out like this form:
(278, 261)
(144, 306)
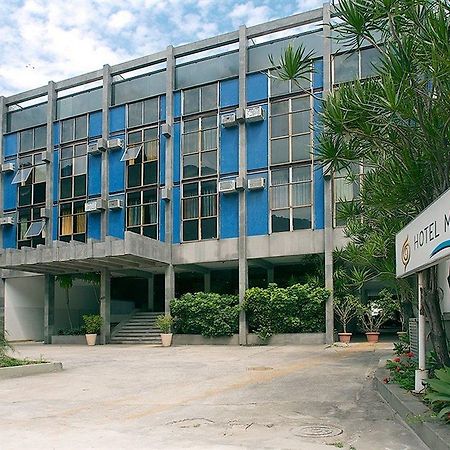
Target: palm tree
(397, 124)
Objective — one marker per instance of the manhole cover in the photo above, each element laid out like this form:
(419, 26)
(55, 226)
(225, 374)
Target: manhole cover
(317, 431)
(260, 368)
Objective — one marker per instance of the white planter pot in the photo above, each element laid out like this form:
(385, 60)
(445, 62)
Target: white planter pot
(166, 339)
(90, 339)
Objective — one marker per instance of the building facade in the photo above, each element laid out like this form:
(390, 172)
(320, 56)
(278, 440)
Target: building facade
(190, 161)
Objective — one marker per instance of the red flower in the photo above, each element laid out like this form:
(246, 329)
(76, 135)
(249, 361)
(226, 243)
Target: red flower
(410, 355)
(386, 381)
(397, 359)
(397, 369)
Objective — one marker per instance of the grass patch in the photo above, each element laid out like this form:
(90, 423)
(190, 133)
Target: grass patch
(8, 361)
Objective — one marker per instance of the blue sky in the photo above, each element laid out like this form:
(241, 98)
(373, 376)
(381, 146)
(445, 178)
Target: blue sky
(42, 40)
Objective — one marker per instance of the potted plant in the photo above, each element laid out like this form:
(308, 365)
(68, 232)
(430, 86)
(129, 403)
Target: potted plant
(375, 313)
(92, 325)
(346, 308)
(164, 323)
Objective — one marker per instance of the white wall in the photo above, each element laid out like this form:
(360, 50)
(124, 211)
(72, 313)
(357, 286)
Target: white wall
(24, 308)
(443, 273)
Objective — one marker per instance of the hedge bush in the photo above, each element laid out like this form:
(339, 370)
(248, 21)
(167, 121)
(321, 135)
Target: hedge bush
(208, 314)
(296, 309)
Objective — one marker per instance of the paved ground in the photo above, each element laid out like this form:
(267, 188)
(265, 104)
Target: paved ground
(136, 397)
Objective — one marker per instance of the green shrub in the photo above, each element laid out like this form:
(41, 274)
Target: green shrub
(296, 309)
(208, 314)
(164, 323)
(438, 393)
(92, 323)
(71, 331)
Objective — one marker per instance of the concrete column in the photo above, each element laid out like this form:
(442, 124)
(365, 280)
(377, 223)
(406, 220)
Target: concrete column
(242, 240)
(207, 281)
(421, 373)
(49, 308)
(51, 117)
(106, 102)
(328, 232)
(2, 306)
(270, 275)
(151, 292)
(169, 287)
(2, 131)
(169, 276)
(105, 305)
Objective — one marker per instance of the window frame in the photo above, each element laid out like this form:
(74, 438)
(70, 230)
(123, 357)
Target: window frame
(73, 235)
(73, 159)
(200, 90)
(141, 192)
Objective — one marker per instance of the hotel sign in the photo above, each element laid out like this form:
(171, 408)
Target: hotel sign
(426, 240)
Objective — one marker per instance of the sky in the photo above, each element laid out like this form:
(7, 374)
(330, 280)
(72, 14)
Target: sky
(42, 40)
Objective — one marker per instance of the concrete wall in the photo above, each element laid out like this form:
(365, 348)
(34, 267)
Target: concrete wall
(24, 308)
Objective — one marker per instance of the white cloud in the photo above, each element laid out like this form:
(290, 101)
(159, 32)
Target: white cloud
(249, 14)
(120, 20)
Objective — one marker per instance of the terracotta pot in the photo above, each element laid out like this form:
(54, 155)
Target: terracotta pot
(372, 336)
(345, 337)
(91, 338)
(166, 339)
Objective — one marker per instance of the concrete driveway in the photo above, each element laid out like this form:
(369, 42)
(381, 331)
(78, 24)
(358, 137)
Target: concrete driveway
(211, 397)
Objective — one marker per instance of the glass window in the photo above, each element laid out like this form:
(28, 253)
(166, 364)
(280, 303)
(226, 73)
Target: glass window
(72, 221)
(142, 212)
(209, 97)
(35, 229)
(67, 130)
(22, 175)
(370, 59)
(135, 114)
(26, 140)
(40, 137)
(346, 67)
(200, 99)
(81, 127)
(151, 110)
(191, 103)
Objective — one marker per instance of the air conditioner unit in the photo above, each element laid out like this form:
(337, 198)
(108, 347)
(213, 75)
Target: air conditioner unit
(165, 194)
(254, 184)
(115, 203)
(115, 144)
(102, 144)
(8, 167)
(254, 113)
(46, 156)
(228, 120)
(93, 149)
(7, 220)
(44, 213)
(166, 130)
(96, 205)
(227, 186)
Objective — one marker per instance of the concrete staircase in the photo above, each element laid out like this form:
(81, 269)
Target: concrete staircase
(139, 329)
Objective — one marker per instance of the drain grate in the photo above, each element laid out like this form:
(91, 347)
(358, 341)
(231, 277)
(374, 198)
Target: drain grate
(317, 431)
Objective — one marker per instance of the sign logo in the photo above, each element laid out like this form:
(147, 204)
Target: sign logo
(406, 252)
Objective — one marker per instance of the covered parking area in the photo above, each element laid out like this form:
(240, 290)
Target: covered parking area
(135, 255)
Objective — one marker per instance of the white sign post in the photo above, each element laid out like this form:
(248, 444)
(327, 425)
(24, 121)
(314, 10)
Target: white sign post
(423, 243)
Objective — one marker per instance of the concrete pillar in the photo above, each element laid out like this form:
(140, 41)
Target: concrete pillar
(169, 287)
(106, 102)
(270, 275)
(51, 117)
(151, 292)
(207, 282)
(242, 240)
(49, 308)
(2, 306)
(105, 305)
(421, 373)
(328, 232)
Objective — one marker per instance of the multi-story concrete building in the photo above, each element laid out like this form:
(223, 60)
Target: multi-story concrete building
(188, 161)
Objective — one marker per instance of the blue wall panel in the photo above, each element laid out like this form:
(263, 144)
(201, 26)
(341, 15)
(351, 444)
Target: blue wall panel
(318, 183)
(55, 176)
(162, 108)
(176, 152)
(257, 87)
(9, 236)
(229, 215)
(95, 124)
(117, 119)
(116, 220)
(177, 104)
(94, 222)
(56, 133)
(162, 160)
(318, 73)
(176, 205)
(9, 191)
(229, 150)
(94, 175)
(258, 209)
(229, 93)
(162, 220)
(116, 171)
(55, 223)
(257, 143)
(10, 144)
